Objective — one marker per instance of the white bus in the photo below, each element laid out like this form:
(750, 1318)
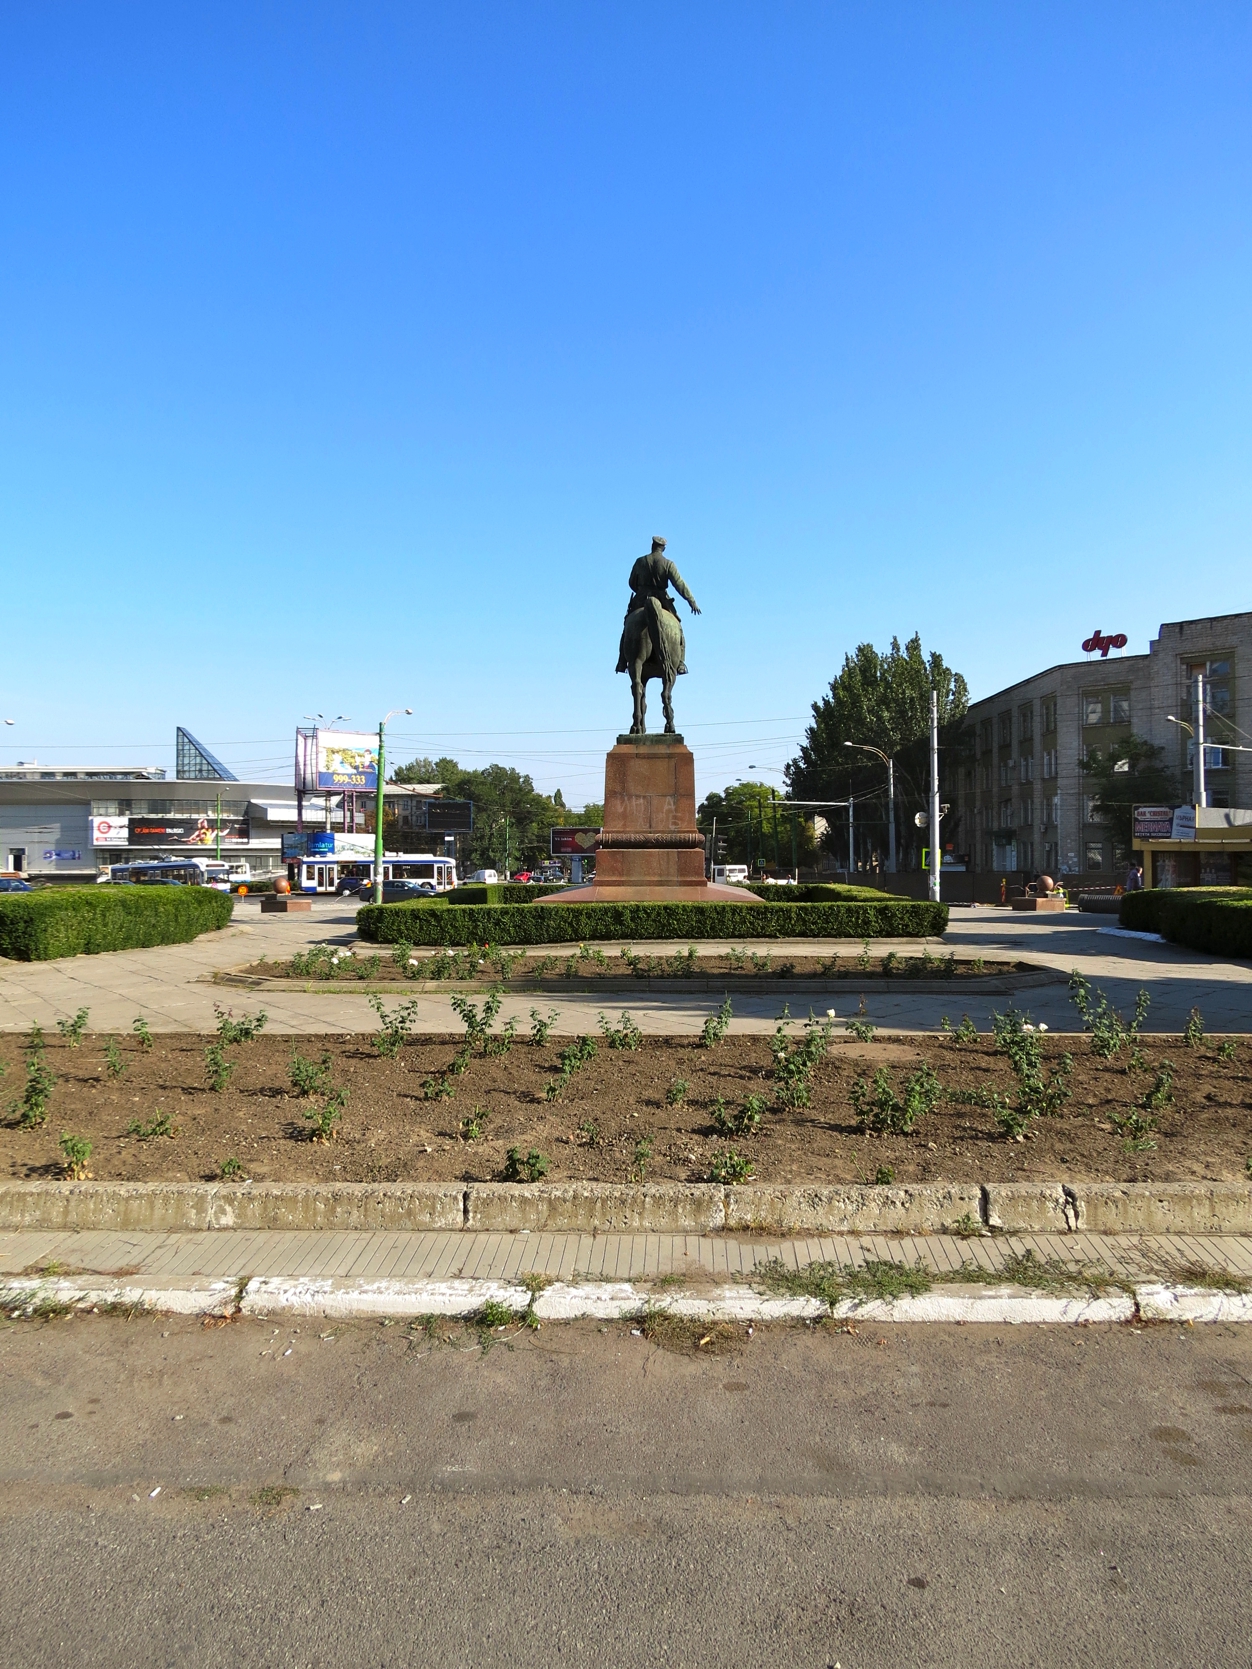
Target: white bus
(331, 874)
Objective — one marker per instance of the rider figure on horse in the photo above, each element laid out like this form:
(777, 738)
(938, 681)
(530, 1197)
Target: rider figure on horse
(649, 579)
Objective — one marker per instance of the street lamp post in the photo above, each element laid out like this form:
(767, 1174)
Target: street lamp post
(891, 799)
(378, 803)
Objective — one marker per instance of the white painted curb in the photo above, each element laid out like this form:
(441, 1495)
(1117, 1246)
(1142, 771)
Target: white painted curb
(622, 1300)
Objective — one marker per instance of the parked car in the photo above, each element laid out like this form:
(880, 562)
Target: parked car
(399, 892)
(350, 884)
(8, 884)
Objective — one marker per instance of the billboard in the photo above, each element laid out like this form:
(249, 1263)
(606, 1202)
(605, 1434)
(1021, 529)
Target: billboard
(109, 831)
(573, 843)
(448, 816)
(1154, 822)
(336, 759)
(186, 831)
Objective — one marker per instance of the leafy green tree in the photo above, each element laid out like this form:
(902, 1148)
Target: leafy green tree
(748, 815)
(1132, 773)
(883, 700)
(507, 808)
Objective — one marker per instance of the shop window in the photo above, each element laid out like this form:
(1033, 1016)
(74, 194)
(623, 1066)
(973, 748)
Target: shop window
(1095, 855)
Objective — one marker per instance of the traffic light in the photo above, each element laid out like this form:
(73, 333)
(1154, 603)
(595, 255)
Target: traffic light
(720, 846)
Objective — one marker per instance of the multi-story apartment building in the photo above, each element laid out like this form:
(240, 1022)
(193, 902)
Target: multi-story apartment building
(1024, 801)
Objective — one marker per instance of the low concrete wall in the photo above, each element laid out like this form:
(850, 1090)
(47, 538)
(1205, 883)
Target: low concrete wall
(653, 1208)
(850, 1209)
(597, 1207)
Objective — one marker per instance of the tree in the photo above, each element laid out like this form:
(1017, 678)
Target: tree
(749, 815)
(510, 816)
(883, 700)
(1132, 773)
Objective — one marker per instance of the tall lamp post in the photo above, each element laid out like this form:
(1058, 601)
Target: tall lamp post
(891, 799)
(378, 803)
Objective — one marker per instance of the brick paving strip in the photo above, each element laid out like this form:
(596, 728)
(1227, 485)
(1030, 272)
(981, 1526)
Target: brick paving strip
(1014, 1278)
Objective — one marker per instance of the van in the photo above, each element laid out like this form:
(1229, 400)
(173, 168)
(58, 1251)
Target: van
(731, 874)
(490, 876)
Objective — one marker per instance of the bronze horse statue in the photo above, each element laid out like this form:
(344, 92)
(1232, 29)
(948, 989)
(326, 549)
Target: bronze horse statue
(652, 643)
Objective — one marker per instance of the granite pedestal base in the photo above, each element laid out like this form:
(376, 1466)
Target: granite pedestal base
(650, 849)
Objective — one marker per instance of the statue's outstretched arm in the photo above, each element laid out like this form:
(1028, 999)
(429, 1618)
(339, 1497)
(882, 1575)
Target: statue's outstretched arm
(676, 580)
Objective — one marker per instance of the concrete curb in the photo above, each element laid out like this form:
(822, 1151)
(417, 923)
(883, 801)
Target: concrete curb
(651, 1208)
(620, 1301)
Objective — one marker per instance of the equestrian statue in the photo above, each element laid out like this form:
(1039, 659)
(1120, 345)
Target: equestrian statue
(652, 644)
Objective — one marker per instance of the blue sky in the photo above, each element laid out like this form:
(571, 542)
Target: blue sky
(350, 354)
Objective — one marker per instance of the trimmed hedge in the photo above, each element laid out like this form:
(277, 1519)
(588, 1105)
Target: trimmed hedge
(540, 924)
(74, 921)
(1216, 919)
(817, 892)
(501, 892)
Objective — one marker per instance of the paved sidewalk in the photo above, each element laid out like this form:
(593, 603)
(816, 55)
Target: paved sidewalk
(171, 985)
(399, 1255)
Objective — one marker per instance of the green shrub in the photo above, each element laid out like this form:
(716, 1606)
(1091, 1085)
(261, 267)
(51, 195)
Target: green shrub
(537, 924)
(500, 892)
(75, 921)
(1215, 919)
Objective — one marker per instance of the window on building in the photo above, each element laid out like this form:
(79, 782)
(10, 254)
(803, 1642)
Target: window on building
(1119, 707)
(1006, 814)
(1025, 854)
(1092, 709)
(1095, 854)
(1047, 714)
(984, 778)
(1089, 813)
(1028, 812)
(1026, 766)
(1026, 722)
(1049, 763)
(984, 736)
(1006, 730)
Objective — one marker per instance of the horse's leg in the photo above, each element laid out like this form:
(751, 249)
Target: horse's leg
(667, 690)
(641, 697)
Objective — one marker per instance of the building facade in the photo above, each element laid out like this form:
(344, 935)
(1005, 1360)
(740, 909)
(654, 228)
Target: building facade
(1024, 801)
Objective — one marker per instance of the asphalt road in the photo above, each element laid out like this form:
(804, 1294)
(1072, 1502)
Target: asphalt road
(961, 1497)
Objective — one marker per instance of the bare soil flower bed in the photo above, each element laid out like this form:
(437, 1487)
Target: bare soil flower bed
(621, 1112)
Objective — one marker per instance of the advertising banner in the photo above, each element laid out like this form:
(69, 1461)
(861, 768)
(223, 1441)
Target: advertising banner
(109, 831)
(1184, 823)
(336, 759)
(1153, 822)
(186, 831)
(294, 845)
(573, 843)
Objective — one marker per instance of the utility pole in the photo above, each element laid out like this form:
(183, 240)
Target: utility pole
(773, 800)
(936, 847)
(219, 825)
(1201, 792)
(713, 847)
(795, 861)
(851, 838)
(378, 804)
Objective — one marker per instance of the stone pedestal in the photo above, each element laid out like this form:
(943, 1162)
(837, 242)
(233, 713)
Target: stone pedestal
(1046, 902)
(649, 848)
(275, 904)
